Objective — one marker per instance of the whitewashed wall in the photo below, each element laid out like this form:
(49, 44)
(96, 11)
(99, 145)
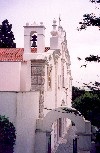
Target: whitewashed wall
(49, 93)
(25, 76)
(22, 109)
(8, 105)
(54, 96)
(10, 76)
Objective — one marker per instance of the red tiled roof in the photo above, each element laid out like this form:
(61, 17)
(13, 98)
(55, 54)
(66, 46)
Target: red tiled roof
(15, 54)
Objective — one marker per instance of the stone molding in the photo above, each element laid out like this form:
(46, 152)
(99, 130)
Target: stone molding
(69, 72)
(83, 134)
(56, 55)
(63, 60)
(37, 81)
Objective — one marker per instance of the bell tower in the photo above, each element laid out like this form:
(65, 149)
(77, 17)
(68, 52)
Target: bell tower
(34, 37)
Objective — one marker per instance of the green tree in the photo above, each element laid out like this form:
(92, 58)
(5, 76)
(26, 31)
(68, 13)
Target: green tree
(76, 92)
(89, 102)
(95, 1)
(89, 106)
(7, 135)
(90, 19)
(6, 35)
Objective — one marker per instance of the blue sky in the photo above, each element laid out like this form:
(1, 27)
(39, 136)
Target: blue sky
(80, 44)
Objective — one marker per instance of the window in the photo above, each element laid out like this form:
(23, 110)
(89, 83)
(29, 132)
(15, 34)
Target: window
(59, 81)
(62, 75)
(60, 127)
(49, 80)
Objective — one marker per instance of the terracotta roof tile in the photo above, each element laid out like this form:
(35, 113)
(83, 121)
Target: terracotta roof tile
(15, 54)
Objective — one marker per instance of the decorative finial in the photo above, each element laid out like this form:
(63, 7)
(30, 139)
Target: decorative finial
(41, 23)
(54, 21)
(34, 23)
(54, 24)
(54, 31)
(59, 20)
(27, 24)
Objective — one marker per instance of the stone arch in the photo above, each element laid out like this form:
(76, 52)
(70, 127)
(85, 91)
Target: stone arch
(44, 128)
(32, 32)
(65, 112)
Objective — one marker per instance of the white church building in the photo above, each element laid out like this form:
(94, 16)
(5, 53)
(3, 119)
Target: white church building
(36, 92)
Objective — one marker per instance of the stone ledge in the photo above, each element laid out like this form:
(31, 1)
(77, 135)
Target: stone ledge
(83, 134)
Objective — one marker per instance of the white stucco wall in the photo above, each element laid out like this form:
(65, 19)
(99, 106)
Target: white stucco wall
(28, 112)
(25, 76)
(8, 105)
(54, 96)
(10, 76)
(49, 93)
(58, 91)
(22, 109)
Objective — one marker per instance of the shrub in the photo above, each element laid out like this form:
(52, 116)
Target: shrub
(7, 135)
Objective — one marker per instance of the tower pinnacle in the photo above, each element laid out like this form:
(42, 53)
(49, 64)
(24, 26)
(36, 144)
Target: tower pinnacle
(54, 31)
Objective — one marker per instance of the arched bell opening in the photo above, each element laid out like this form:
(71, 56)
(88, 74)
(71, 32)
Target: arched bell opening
(33, 39)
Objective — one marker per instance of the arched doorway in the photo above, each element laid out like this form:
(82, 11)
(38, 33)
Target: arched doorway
(44, 128)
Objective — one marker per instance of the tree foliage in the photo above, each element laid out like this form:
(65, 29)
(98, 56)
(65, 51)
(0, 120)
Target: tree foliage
(76, 92)
(92, 58)
(89, 102)
(7, 135)
(6, 35)
(90, 19)
(89, 106)
(95, 1)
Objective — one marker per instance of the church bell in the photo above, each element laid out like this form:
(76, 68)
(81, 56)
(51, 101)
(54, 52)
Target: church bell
(34, 44)
(34, 40)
